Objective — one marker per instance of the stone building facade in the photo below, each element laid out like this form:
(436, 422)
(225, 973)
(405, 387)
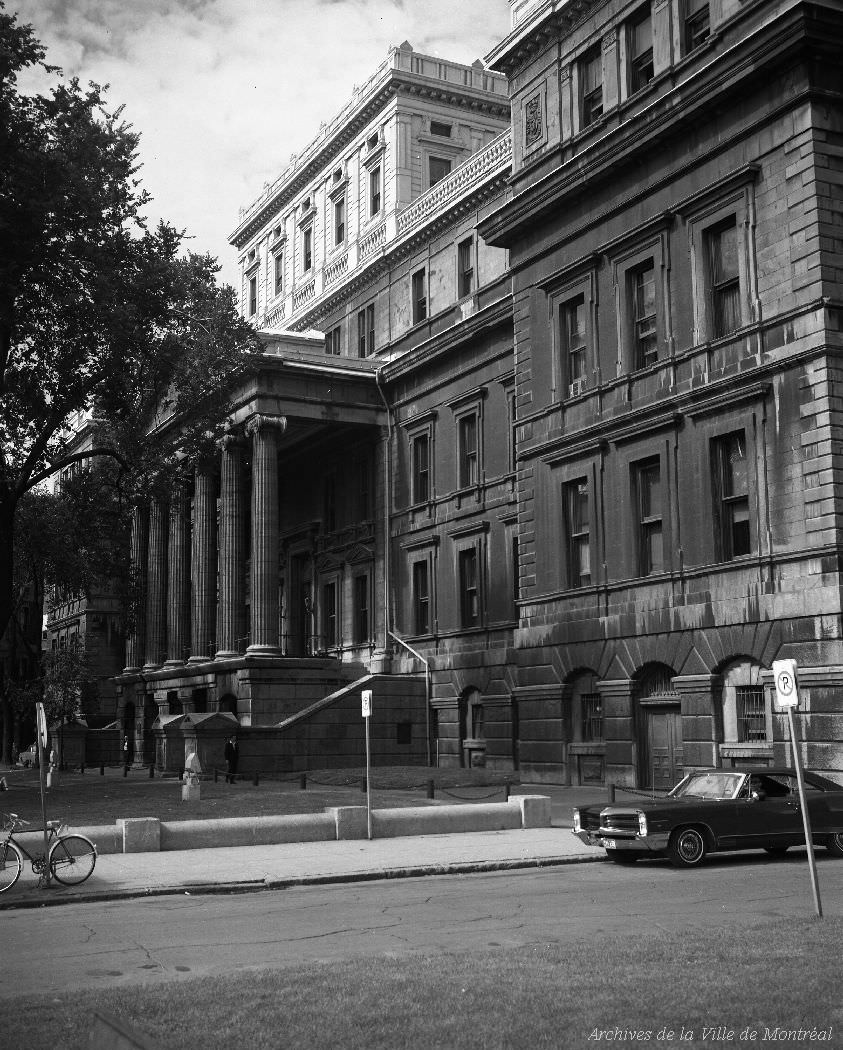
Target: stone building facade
(548, 413)
(675, 228)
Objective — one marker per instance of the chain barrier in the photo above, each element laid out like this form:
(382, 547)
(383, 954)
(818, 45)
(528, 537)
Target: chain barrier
(475, 798)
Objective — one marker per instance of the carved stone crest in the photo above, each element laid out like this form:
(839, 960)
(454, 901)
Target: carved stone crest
(533, 131)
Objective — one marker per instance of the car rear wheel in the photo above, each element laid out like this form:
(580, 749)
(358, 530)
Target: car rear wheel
(776, 851)
(687, 848)
(621, 857)
(834, 845)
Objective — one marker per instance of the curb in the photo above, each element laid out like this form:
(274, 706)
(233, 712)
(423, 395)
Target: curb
(255, 885)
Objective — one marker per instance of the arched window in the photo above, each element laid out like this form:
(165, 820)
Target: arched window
(747, 715)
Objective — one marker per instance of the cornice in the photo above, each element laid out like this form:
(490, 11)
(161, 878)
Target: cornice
(400, 82)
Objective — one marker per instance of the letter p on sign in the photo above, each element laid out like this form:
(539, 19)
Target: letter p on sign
(787, 689)
(366, 696)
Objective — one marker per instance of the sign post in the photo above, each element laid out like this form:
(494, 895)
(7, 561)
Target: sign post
(787, 698)
(366, 697)
(43, 743)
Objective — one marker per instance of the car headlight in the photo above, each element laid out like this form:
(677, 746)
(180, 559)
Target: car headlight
(642, 824)
(577, 823)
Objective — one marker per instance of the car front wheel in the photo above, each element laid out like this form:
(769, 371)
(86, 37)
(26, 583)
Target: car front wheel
(687, 848)
(834, 845)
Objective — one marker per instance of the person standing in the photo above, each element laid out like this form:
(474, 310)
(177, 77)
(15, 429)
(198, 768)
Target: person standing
(230, 759)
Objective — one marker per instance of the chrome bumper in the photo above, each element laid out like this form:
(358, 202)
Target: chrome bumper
(647, 844)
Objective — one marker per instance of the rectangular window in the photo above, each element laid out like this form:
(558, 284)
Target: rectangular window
(592, 716)
(421, 597)
(361, 333)
(642, 302)
(279, 274)
(724, 278)
(465, 268)
(329, 615)
(421, 468)
(640, 51)
(752, 713)
(574, 345)
(333, 341)
(419, 297)
(648, 486)
(469, 589)
(370, 329)
(375, 190)
(513, 432)
(697, 27)
(577, 532)
(438, 168)
(438, 128)
(307, 249)
(468, 473)
(731, 512)
(361, 609)
(591, 86)
(253, 296)
(339, 220)
(516, 573)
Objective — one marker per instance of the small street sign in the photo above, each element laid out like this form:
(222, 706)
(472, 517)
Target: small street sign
(41, 718)
(366, 696)
(787, 687)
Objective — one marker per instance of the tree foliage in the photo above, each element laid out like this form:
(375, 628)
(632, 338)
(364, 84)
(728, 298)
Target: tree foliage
(99, 314)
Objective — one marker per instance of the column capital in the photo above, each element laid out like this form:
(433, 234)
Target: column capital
(231, 440)
(259, 422)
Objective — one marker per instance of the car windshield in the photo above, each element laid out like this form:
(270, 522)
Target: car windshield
(708, 785)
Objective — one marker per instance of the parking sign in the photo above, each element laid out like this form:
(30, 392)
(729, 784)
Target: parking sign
(366, 696)
(787, 687)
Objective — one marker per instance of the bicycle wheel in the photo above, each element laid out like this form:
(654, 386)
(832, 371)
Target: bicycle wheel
(72, 859)
(11, 863)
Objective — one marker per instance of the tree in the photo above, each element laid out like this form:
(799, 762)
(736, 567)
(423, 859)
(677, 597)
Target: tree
(98, 313)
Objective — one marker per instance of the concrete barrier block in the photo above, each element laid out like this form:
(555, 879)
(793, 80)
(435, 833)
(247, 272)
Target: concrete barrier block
(445, 820)
(535, 810)
(108, 838)
(351, 822)
(141, 834)
(246, 831)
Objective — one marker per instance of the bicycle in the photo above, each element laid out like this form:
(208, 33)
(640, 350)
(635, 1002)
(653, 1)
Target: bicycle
(71, 858)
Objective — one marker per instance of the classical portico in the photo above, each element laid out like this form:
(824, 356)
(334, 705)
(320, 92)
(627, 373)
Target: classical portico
(231, 563)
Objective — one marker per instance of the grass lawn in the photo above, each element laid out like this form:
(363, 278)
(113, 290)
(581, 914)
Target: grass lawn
(700, 986)
(90, 799)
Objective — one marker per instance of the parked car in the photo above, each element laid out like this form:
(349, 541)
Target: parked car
(715, 810)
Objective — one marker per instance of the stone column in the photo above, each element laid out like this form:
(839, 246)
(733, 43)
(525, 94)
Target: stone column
(177, 580)
(156, 584)
(203, 564)
(265, 431)
(231, 622)
(136, 636)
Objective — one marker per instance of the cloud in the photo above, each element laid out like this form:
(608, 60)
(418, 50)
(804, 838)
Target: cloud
(223, 91)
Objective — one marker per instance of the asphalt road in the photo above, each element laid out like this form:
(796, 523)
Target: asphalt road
(170, 938)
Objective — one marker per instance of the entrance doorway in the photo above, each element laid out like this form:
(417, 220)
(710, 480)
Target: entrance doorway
(658, 729)
(300, 640)
(664, 746)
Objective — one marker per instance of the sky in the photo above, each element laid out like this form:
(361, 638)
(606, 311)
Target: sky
(222, 92)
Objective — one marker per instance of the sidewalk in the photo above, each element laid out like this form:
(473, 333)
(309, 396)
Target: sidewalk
(251, 868)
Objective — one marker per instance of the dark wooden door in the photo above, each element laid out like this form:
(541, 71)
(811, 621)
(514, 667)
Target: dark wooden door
(664, 747)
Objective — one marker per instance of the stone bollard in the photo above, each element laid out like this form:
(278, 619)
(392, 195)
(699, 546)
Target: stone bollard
(431, 789)
(303, 782)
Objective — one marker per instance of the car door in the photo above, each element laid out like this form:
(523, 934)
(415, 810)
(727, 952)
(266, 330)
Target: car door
(773, 818)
